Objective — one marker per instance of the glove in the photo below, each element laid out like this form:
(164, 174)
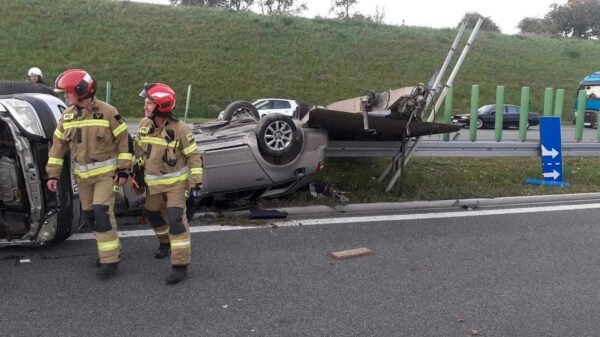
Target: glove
(137, 179)
(122, 173)
(195, 190)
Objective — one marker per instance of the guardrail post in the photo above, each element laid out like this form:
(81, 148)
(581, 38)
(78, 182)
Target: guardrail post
(108, 92)
(187, 101)
(580, 115)
(558, 104)
(597, 127)
(548, 102)
(499, 122)
(448, 110)
(523, 117)
(473, 119)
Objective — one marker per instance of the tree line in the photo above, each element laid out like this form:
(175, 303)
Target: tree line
(576, 18)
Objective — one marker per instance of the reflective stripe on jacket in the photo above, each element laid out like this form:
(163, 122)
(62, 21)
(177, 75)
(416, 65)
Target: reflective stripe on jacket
(95, 135)
(169, 154)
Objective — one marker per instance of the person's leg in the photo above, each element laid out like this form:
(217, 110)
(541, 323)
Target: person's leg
(154, 212)
(179, 234)
(105, 228)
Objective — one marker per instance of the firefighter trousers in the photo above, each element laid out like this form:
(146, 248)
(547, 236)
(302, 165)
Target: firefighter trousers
(165, 212)
(97, 202)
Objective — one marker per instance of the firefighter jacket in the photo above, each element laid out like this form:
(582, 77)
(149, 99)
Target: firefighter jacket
(168, 154)
(98, 140)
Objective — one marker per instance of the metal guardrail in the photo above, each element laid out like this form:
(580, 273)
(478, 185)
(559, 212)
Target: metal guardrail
(428, 148)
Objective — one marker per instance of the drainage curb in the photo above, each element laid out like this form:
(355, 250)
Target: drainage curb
(431, 205)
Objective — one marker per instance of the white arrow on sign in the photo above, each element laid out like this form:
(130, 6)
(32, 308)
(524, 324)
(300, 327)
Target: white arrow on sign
(554, 174)
(546, 153)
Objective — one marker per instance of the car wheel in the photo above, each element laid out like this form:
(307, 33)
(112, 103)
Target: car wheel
(20, 87)
(277, 135)
(68, 211)
(240, 109)
(479, 123)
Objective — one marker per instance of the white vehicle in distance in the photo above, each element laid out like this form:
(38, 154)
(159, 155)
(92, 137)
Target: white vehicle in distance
(267, 106)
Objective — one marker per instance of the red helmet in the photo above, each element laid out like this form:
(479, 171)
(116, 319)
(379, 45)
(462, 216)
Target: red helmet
(76, 81)
(162, 95)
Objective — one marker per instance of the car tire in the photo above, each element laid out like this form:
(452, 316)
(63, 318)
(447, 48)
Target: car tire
(277, 135)
(65, 216)
(480, 123)
(239, 109)
(21, 87)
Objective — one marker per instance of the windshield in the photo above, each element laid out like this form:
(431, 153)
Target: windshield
(592, 92)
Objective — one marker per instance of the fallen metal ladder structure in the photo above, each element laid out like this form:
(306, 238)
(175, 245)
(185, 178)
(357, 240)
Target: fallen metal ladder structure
(408, 147)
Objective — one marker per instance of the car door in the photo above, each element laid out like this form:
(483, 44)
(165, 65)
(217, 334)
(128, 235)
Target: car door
(511, 115)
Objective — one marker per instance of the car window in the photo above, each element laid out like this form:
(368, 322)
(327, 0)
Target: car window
(511, 109)
(263, 105)
(487, 109)
(281, 105)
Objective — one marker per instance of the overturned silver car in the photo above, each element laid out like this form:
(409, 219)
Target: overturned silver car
(244, 160)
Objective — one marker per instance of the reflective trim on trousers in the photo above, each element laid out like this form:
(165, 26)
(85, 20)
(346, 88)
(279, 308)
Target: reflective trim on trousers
(181, 244)
(107, 246)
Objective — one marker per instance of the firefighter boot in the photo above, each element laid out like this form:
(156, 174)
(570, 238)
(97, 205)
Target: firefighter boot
(177, 274)
(106, 270)
(164, 250)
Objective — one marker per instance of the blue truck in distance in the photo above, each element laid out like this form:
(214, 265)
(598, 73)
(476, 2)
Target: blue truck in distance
(591, 85)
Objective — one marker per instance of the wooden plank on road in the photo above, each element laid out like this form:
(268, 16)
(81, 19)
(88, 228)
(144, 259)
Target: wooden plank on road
(345, 254)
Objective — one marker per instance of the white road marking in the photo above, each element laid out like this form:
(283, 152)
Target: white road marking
(345, 220)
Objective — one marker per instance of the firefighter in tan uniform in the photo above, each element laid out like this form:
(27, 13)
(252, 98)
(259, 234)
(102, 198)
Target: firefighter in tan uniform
(97, 137)
(168, 154)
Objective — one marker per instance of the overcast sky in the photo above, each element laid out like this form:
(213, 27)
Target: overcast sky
(438, 13)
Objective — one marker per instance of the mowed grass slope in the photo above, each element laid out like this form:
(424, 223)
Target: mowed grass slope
(229, 56)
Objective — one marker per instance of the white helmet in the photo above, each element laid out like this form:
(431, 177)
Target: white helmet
(35, 71)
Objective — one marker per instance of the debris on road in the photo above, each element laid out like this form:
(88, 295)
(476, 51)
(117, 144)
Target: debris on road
(259, 213)
(473, 332)
(322, 190)
(345, 254)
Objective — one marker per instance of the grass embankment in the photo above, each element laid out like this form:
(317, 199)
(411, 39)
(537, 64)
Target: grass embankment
(229, 56)
(446, 179)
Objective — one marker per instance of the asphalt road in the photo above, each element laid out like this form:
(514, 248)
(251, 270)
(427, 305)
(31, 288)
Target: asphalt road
(533, 274)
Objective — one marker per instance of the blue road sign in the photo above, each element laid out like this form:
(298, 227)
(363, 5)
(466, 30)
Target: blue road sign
(551, 150)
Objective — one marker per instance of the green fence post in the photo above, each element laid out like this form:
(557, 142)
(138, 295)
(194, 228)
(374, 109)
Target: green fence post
(548, 102)
(558, 103)
(580, 115)
(597, 127)
(108, 92)
(499, 122)
(473, 120)
(187, 101)
(523, 117)
(448, 110)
